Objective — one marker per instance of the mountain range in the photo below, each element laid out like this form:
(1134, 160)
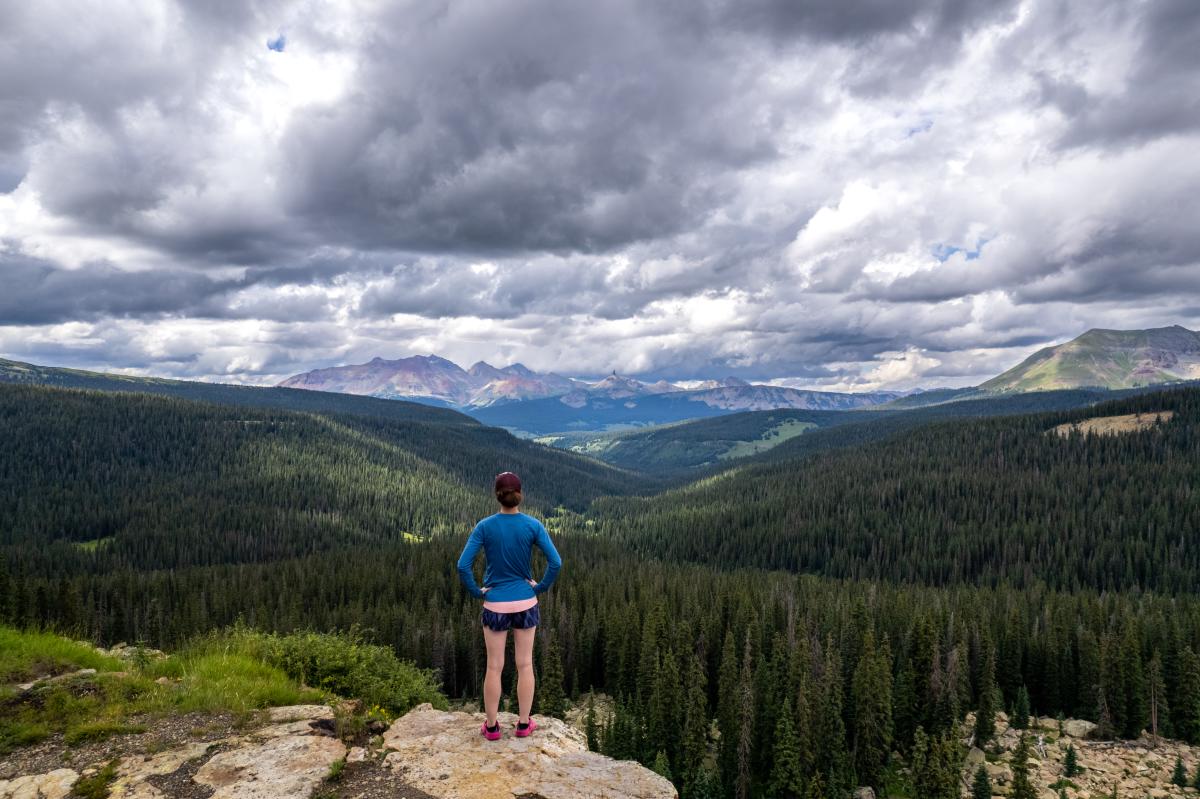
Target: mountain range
(1107, 359)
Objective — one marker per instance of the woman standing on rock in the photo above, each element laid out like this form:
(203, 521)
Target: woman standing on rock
(507, 539)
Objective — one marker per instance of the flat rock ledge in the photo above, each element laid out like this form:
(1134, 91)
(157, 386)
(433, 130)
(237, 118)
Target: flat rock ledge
(289, 758)
(443, 754)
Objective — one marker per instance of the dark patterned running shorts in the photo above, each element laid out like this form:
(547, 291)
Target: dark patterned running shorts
(520, 620)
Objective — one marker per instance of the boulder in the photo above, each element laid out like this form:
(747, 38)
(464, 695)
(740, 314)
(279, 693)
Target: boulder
(280, 767)
(1078, 728)
(443, 754)
(864, 793)
(55, 784)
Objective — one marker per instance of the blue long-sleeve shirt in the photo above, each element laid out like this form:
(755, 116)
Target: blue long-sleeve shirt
(508, 540)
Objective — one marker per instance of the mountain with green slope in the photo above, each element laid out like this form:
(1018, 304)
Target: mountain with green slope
(292, 399)
(1108, 359)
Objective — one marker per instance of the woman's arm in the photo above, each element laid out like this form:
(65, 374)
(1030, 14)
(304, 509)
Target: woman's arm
(466, 562)
(553, 561)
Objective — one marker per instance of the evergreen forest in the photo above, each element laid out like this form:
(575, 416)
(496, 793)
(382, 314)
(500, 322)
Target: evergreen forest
(787, 626)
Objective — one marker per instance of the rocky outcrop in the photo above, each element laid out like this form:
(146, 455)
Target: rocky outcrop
(443, 754)
(283, 766)
(1140, 768)
(52, 785)
(289, 757)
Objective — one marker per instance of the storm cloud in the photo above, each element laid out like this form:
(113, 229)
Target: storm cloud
(849, 195)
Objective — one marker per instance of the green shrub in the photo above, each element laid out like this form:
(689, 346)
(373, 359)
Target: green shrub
(344, 664)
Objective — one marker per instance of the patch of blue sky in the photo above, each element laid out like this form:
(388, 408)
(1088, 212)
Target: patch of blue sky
(278, 43)
(922, 125)
(943, 251)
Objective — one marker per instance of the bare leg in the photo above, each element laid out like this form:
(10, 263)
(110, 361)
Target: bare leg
(523, 649)
(495, 665)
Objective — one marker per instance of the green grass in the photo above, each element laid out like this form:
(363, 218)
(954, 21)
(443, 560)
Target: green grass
(94, 544)
(230, 681)
(774, 436)
(234, 671)
(26, 655)
(96, 786)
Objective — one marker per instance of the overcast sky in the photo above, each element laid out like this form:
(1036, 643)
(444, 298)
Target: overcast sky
(850, 195)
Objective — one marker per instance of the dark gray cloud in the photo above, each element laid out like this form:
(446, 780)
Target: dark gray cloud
(39, 292)
(1159, 92)
(767, 188)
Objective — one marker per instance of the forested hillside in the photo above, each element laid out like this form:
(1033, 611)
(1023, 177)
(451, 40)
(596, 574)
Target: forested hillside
(140, 518)
(138, 481)
(992, 501)
(710, 445)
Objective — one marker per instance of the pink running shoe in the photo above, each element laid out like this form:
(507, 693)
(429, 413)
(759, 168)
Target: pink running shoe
(491, 735)
(530, 727)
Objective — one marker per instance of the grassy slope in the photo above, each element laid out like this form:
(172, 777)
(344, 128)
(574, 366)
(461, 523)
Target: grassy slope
(686, 445)
(1104, 358)
(236, 671)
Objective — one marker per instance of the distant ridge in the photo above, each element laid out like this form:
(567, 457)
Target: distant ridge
(1110, 359)
(17, 372)
(435, 380)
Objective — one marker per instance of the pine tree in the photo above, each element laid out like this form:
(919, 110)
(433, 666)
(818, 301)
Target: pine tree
(872, 694)
(1020, 716)
(1179, 775)
(816, 788)
(1071, 762)
(551, 699)
(935, 765)
(905, 711)
(985, 711)
(661, 767)
(787, 779)
(1021, 787)
(1134, 693)
(981, 786)
(745, 740)
(589, 724)
(829, 729)
(727, 713)
(706, 785)
(663, 725)
(1187, 714)
(1157, 688)
(694, 742)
